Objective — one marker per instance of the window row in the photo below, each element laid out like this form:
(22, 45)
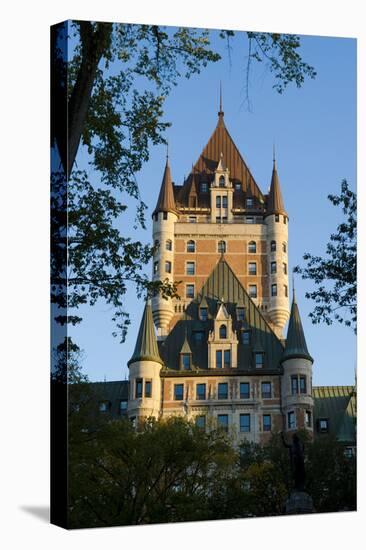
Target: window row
(274, 246)
(164, 216)
(298, 384)
(221, 202)
(141, 389)
(274, 290)
(190, 289)
(167, 267)
(252, 268)
(291, 420)
(244, 422)
(168, 245)
(221, 246)
(277, 218)
(223, 391)
(105, 406)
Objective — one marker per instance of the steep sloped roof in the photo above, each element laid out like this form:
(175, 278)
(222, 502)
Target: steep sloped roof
(275, 203)
(338, 405)
(219, 143)
(222, 285)
(146, 348)
(166, 201)
(295, 343)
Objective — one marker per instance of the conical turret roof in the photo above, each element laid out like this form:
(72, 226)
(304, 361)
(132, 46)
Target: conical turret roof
(146, 348)
(275, 202)
(295, 343)
(166, 202)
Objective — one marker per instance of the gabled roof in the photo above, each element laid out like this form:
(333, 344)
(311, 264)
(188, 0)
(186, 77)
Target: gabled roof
(222, 285)
(338, 405)
(274, 200)
(295, 343)
(219, 143)
(166, 202)
(146, 348)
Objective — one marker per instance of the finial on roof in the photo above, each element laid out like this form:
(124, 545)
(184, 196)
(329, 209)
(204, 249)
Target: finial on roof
(274, 153)
(293, 288)
(221, 112)
(167, 151)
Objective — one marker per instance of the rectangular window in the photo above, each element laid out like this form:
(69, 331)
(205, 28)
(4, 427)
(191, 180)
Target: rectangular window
(237, 186)
(218, 202)
(218, 219)
(201, 421)
(203, 313)
(186, 361)
(224, 202)
(147, 388)
(277, 218)
(227, 358)
(274, 290)
(253, 291)
(165, 215)
(259, 359)
(284, 267)
(244, 390)
(249, 219)
(294, 385)
(291, 420)
(267, 425)
(252, 247)
(308, 419)
(201, 391)
(178, 392)
(223, 390)
(123, 406)
(204, 187)
(138, 391)
(190, 268)
(240, 313)
(223, 422)
(245, 337)
(252, 268)
(284, 220)
(168, 267)
(218, 359)
(273, 246)
(104, 406)
(285, 290)
(323, 425)
(190, 291)
(273, 267)
(245, 422)
(249, 203)
(302, 384)
(156, 267)
(266, 390)
(192, 219)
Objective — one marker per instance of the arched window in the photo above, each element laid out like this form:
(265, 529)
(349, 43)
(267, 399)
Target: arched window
(222, 181)
(284, 247)
(169, 245)
(273, 246)
(252, 247)
(222, 331)
(156, 245)
(191, 246)
(221, 247)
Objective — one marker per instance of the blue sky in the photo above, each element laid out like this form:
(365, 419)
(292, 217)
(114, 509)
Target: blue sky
(314, 129)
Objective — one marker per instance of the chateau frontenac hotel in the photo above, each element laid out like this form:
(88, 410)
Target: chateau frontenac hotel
(219, 355)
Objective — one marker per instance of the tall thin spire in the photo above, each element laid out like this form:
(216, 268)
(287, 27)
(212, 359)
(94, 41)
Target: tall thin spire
(221, 112)
(166, 201)
(146, 348)
(275, 201)
(295, 343)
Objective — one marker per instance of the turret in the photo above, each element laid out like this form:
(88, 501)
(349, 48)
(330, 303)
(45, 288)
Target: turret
(276, 220)
(164, 217)
(221, 194)
(144, 371)
(297, 400)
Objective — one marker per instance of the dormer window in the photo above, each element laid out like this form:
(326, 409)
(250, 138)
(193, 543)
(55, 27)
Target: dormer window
(259, 359)
(323, 425)
(240, 313)
(203, 313)
(204, 187)
(222, 181)
(104, 406)
(186, 361)
(223, 332)
(252, 247)
(249, 202)
(245, 337)
(237, 186)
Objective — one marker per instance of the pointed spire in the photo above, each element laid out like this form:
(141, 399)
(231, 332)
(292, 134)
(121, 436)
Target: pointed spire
(186, 348)
(146, 348)
(166, 202)
(221, 112)
(221, 164)
(295, 343)
(275, 202)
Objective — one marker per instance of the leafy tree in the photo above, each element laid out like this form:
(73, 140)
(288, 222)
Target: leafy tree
(335, 275)
(111, 93)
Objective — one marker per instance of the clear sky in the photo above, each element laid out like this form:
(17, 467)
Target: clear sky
(314, 129)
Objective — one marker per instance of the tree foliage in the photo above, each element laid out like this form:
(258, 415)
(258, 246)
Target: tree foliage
(111, 91)
(335, 274)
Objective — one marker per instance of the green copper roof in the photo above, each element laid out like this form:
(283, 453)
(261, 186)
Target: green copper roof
(295, 343)
(146, 348)
(337, 404)
(222, 285)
